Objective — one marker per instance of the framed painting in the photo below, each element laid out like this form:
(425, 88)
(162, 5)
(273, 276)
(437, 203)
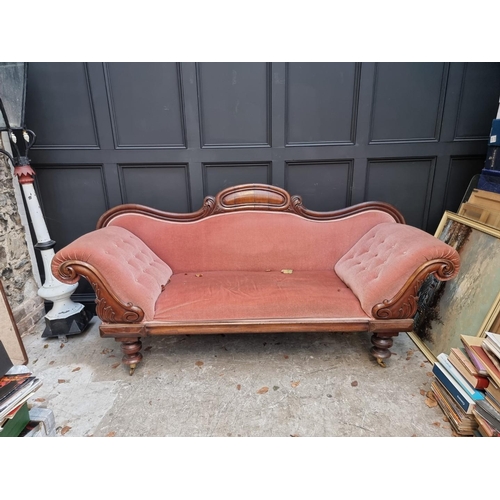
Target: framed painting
(9, 333)
(469, 304)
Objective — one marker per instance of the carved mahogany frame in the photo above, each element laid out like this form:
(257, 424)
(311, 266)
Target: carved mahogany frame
(404, 303)
(249, 197)
(152, 329)
(109, 307)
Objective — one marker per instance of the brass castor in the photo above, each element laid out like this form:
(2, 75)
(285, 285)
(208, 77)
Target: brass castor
(131, 352)
(382, 342)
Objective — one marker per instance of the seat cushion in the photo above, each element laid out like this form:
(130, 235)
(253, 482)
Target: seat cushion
(233, 295)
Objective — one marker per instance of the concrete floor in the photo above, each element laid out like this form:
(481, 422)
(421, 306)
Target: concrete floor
(212, 385)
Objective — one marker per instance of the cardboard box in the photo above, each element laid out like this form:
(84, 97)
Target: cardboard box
(495, 133)
(492, 158)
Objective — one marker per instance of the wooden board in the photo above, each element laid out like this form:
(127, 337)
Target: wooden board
(480, 213)
(482, 206)
(486, 199)
(9, 333)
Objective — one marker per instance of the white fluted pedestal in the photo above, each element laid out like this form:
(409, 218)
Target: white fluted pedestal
(66, 317)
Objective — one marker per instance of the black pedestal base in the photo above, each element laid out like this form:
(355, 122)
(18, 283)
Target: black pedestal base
(72, 325)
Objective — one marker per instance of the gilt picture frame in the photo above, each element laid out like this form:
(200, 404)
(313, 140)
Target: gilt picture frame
(9, 333)
(469, 304)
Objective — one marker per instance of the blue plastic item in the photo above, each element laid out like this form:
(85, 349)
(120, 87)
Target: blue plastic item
(489, 180)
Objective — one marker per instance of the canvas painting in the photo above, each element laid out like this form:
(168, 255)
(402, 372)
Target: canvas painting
(9, 334)
(466, 305)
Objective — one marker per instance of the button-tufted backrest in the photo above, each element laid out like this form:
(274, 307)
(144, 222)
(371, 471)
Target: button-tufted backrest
(380, 263)
(252, 240)
(134, 272)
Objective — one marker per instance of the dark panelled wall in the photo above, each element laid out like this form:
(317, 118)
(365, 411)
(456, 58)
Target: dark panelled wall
(168, 134)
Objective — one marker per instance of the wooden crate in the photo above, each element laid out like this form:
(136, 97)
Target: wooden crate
(486, 199)
(482, 206)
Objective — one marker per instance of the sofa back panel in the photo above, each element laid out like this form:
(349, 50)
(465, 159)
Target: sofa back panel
(251, 240)
(381, 262)
(134, 273)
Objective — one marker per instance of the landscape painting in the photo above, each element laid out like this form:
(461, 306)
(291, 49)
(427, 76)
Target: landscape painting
(467, 304)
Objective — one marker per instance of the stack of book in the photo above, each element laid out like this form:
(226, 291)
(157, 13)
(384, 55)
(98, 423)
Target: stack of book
(17, 384)
(467, 385)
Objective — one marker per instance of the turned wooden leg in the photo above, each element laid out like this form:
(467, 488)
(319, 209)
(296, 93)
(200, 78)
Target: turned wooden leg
(131, 349)
(382, 342)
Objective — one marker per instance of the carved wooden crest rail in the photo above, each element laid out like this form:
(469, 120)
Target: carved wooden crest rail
(250, 197)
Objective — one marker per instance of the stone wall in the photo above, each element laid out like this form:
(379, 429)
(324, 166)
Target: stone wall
(16, 268)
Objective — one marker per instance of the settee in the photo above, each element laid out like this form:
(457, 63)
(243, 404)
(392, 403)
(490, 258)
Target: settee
(253, 259)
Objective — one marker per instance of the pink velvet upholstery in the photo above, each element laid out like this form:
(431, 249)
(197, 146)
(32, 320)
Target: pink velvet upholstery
(233, 295)
(252, 240)
(222, 273)
(381, 262)
(134, 273)
(341, 268)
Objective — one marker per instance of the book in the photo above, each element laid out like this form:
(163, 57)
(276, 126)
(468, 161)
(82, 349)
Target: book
(462, 363)
(473, 393)
(15, 425)
(6, 387)
(489, 414)
(489, 349)
(475, 345)
(11, 415)
(453, 387)
(10, 383)
(493, 402)
(479, 365)
(493, 390)
(461, 355)
(484, 427)
(461, 423)
(495, 338)
(17, 397)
